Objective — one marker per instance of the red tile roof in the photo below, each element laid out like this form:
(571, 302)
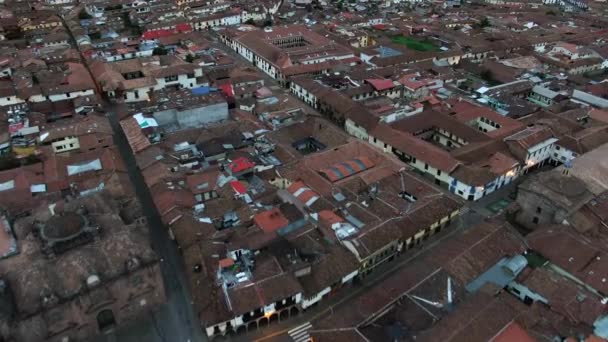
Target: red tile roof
(465, 112)
(238, 187)
(202, 182)
(417, 148)
(381, 84)
(599, 115)
(531, 136)
(168, 200)
(513, 332)
(226, 262)
(271, 220)
(329, 217)
(137, 140)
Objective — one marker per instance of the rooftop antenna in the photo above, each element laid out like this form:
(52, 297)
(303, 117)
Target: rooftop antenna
(408, 204)
(448, 304)
(435, 304)
(450, 299)
(402, 181)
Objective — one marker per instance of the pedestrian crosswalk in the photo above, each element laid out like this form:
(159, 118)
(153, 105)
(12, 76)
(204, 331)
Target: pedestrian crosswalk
(300, 333)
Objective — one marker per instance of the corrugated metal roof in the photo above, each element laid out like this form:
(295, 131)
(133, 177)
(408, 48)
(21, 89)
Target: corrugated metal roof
(303, 193)
(8, 185)
(92, 165)
(346, 169)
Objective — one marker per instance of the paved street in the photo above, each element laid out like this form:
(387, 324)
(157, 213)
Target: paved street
(176, 322)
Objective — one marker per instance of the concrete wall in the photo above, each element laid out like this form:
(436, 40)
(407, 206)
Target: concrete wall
(536, 211)
(355, 130)
(540, 153)
(137, 95)
(67, 144)
(562, 154)
(308, 302)
(71, 96)
(10, 100)
(195, 117)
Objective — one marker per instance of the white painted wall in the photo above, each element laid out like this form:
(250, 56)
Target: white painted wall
(67, 144)
(71, 96)
(540, 152)
(562, 154)
(10, 100)
(308, 302)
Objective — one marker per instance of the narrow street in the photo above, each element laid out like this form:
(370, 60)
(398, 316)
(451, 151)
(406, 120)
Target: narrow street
(176, 321)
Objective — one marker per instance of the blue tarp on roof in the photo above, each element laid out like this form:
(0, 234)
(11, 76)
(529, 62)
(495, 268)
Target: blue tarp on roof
(203, 90)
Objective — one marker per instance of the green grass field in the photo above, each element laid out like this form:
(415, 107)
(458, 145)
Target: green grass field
(411, 43)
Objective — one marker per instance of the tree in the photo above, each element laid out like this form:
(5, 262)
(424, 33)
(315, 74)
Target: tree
(484, 23)
(83, 15)
(551, 12)
(159, 51)
(189, 58)
(250, 22)
(95, 35)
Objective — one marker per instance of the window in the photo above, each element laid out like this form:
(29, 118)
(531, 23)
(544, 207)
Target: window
(438, 172)
(67, 94)
(190, 75)
(171, 78)
(538, 210)
(535, 220)
(375, 140)
(426, 166)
